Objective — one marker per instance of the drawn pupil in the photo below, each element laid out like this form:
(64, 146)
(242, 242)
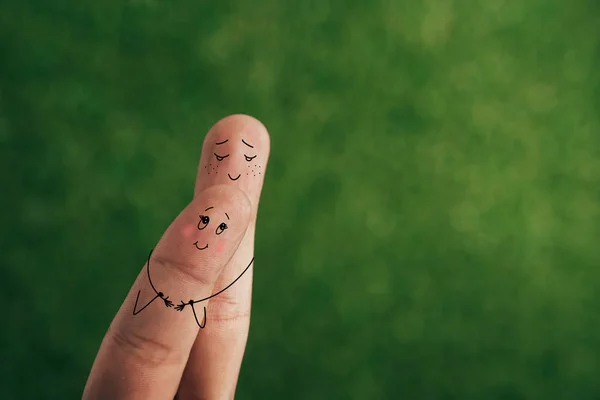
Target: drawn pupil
(204, 219)
(222, 226)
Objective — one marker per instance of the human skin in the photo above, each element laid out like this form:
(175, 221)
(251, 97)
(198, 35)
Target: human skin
(161, 353)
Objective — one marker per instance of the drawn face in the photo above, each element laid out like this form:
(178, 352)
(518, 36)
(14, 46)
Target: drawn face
(244, 162)
(235, 152)
(219, 224)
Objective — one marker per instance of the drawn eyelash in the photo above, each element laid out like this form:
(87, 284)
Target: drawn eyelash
(220, 158)
(203, 222)
(249, 158)
(221, 228)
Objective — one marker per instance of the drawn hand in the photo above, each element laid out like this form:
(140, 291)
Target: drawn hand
(168, 302)
(162, 354)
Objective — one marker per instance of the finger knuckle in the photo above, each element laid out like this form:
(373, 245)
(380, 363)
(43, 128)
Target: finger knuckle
(226, 309)
(144, 349)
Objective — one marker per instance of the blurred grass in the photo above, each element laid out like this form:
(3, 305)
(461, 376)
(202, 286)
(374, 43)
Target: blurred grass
(430, 223)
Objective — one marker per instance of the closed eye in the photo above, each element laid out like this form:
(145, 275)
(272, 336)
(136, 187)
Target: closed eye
(249, 158)
(220, 158)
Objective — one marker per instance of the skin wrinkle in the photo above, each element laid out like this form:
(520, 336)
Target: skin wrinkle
(143, 348)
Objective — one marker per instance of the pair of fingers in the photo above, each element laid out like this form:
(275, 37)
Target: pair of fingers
(155, 347)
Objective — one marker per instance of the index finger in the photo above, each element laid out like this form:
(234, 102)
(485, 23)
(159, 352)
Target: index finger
(148, 343)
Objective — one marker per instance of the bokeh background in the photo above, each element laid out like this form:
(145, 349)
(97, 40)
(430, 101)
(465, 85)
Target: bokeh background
(430, 222)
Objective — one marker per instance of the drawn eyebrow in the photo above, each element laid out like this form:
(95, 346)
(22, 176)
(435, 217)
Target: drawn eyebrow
(224, 141)
(247, 144)
(227, 215)
(209, 208)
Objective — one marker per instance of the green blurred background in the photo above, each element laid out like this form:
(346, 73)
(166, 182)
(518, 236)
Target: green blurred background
(430, 222)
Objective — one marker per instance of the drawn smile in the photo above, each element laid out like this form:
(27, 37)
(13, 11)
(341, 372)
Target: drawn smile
(200, 248)
(234, 179)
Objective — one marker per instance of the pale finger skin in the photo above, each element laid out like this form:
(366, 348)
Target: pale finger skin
(143, 356)
(214, 364)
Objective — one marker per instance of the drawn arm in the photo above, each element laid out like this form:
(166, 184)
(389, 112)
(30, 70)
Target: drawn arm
(168, 303)
(196, 317)
(182, 305)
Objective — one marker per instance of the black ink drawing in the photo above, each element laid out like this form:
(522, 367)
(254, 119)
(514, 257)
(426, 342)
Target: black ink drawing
(220, 158)
(248, 158)
(203, 222)
(168, 302)
(191, 303)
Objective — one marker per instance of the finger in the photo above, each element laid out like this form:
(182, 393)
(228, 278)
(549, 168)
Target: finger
(148, 343)
(235, 152)
(242, 145)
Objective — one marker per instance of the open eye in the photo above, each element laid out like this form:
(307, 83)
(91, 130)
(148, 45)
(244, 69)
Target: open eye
(220, 158)
(249, 158)
(221, 228)
(204, 220)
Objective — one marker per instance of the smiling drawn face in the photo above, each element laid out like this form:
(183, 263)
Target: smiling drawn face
(202, 238)
(204, 221)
